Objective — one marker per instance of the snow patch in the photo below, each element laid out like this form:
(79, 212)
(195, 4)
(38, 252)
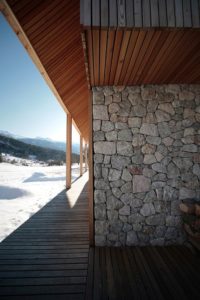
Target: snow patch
(26, 189)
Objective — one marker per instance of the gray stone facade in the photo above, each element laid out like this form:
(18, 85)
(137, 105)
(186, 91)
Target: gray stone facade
(146, 160)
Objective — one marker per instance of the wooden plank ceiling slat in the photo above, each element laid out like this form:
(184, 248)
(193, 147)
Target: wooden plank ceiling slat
(133, 40)
(103, 45)
(96, 42)
(109, 53)
(90, 56)
(115, 56)
(123, 50)
(147, 56)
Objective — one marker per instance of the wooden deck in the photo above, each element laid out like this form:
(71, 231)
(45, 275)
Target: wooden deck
(47, 257)
(143, 273)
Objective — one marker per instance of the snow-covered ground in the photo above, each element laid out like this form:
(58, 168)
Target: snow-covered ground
(26, 189)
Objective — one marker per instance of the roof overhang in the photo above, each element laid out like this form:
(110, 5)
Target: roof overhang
(125, 42)
(142, 42)
(50, 31)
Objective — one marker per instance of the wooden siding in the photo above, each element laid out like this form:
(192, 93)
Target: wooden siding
(53, 30)
(131, 57)
(141, 13)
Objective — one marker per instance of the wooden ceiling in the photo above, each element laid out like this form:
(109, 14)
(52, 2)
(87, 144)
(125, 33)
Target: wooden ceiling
(131, 57)
(53, 30)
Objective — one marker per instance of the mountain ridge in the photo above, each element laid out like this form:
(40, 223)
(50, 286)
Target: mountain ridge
(20, 149)
(42, 142)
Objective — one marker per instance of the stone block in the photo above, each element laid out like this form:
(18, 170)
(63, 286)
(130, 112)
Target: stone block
(108, 148)
(149, 129)
(98, 136)
(126, 176)
(112, 215)
(164, 129)
(185, 193)
(134, 122)
(152, 106)
(190, 148)
(162, 116)
(124, 148)
(125, 135)
(138, 111)
(147, 210)
(96, 125)
(125, 210)
(132, 238)
(101, 227)
(154, 140)
(127, 187)
(114, 203)
(100, 240)
(148, 93)
(186, 95)
(158, 219)
(113, 108)
(149, 159)
(141, 184)
(111, 135)
(107, 126)
(100, 211)
(167, 107)
(138, 140)
(98, 97)
(114, 175)
(100, 112)
(159, 167)
(99, 196)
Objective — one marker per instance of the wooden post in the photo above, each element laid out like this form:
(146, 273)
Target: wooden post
(81, 155)
(86, 159)
(69, 151)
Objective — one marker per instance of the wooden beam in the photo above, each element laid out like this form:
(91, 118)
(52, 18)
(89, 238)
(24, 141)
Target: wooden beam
(81, 155)
(68, 151)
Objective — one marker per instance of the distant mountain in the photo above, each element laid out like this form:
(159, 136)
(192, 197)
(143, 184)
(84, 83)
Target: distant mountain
(8, 134)
(42, 142)
(45, 143)
(24, 150)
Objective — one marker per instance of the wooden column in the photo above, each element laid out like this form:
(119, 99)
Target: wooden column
(81, 155)
(86, 158)
(69, 151)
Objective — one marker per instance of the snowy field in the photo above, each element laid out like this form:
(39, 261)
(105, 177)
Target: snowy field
(26, 189)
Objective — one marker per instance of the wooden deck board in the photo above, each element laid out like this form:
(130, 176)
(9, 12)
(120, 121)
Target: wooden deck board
(143, 273)
(47, 257)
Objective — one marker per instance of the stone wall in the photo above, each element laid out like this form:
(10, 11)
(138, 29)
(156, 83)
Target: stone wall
(146, 160)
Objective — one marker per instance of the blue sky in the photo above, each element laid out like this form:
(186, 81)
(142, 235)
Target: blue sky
(27, 105)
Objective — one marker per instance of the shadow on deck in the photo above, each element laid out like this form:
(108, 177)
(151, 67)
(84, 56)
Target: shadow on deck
(47, 257)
